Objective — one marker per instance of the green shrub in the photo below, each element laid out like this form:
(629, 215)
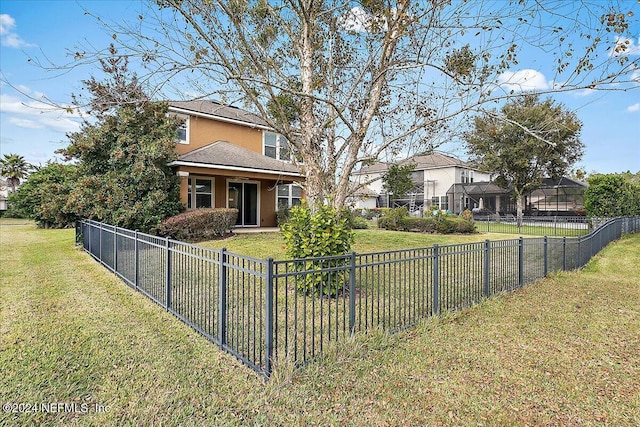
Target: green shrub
(467, 215)
(354, 220)
(392, 217)
(359, 223)
(43, 197)
(452, 224)
(422, 225)
(323, 233)
(282, 216)
(440, 223)
(199, 224)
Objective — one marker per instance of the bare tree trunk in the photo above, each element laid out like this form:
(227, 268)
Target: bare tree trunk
(519, 208)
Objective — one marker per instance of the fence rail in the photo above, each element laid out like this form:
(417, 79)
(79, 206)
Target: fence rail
(252, 308)
(552, 226)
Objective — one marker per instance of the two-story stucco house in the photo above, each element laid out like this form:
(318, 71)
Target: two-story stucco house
(433, 176)
(230, 158)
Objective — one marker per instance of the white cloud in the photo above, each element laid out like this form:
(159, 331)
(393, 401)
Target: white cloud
(8, 36)
(25, 123)
(523, 80)
(360, 21)
(35, 114)
(625, 46)
(635, 76)
(633, 108)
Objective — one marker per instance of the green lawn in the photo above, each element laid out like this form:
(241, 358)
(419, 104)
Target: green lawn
(265, 245)
(564, 351)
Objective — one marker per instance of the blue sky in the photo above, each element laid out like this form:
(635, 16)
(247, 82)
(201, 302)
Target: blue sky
(50, 29)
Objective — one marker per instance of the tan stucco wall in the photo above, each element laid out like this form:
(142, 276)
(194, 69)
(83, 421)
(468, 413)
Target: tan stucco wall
(204, 131)
(267, 189)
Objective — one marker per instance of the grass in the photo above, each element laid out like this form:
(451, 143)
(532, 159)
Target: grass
(564, 351)
(560, 230)
(272, 245)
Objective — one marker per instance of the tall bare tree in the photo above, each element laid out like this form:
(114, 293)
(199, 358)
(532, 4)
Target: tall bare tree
(346, 81)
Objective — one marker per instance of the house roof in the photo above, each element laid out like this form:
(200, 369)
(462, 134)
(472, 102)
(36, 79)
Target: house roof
(218, 111)
(432, 160)
(363, 192)
(224, 155)
(487, 187)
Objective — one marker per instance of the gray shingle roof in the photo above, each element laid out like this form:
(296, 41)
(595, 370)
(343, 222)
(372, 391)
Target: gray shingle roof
(226, 154)
(424, 161)
(218, 110)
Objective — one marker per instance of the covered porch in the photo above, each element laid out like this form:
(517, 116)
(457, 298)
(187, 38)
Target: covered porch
(223, 175)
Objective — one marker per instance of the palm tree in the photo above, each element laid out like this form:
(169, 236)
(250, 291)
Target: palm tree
(14, 168)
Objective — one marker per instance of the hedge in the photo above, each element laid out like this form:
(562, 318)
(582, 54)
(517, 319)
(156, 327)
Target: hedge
(199, 224)
(439, 224)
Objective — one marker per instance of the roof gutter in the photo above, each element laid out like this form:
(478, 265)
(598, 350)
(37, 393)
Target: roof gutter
(235, 168)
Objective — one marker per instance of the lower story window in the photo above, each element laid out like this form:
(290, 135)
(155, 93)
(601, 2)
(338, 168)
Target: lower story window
(200, 193)
(440, 202)
(288, 196)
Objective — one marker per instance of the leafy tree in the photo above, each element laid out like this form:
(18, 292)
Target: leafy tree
(612, 195)
(397, 180)
(345, 82)
(525, 142)
(122, 151)
(14, 168)
(43, 196)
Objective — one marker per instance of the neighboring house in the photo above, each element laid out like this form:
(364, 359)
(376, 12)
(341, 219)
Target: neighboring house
(433, 176)
(562, 197)
(230, 158)
(4, 194)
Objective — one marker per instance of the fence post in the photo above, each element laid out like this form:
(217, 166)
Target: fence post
(546, 256)
(436, 296)
(352, 293)
(487, 264)
(115, 249)
(579, 263)
(168, 276)
(268, 324)
(100, 243)
(222, 297)
(136, 260)
(520, 261)
(564, 254)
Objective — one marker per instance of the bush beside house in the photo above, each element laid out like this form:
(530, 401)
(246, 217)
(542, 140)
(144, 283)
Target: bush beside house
(199, 224)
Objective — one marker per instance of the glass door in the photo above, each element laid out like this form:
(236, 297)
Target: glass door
(244, 197)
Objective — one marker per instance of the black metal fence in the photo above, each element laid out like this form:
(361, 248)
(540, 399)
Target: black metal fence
(252, 308)
(563, 226)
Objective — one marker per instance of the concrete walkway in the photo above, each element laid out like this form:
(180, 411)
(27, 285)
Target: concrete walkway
(249, 230)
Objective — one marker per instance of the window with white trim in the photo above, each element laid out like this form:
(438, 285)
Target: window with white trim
(200, 193)
(440, 202)
(288, 196)
(183, 129)
(276, 146)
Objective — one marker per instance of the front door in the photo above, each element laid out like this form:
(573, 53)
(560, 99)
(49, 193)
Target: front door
(244, 197)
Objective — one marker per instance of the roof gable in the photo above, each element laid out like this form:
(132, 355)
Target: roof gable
(218, 111)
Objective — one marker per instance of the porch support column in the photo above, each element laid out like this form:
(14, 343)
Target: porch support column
(184, 186)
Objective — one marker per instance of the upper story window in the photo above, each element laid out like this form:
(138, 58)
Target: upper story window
(276, 146)
(466, 176)
(183, 130)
